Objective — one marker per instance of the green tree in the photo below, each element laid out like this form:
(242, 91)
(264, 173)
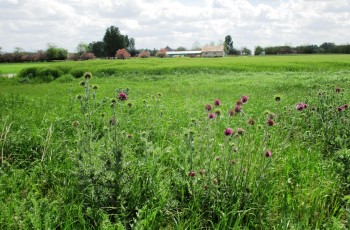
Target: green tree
(258, 50)
(82, 48)
(56, 53)
(97, 48)
(228, 45)
(113, 40)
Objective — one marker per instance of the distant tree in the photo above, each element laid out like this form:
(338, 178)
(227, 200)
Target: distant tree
(97, 48)
(228, 45)
(144, 54)
(161, 53)
(246, 51)
(327, 46)
(131, 47)
(258, 50)
(113, 40)
(196, 46)
(180, 48)
(87, 56)
(122, 54)
(56, 53)
(82, 48)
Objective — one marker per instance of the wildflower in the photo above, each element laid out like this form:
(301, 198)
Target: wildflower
(122, 96)
(313, 108)
(270, 122)
(343, 107)
(129, 104)
(129, 136)
(301, 106)
(337, 90)
(218, 112)
(208, 107)
(112, 121)
(75, 124)
(268, 153)
(251, 121)
(202, 171)
(87, 75)
(244, 99)
(95, 87)
(211, 116)
(102, 114)
(217, 102)
(233, 162)
(277, 98)
(231, 112)
(239, 102)
(238, 109)
(228, 132)
(217, 158)
(82, 83)
(240, 131)
(192, 174)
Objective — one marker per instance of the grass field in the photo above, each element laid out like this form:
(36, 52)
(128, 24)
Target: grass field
(137, 146)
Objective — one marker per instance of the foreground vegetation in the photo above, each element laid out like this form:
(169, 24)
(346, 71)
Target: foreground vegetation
(174, 144)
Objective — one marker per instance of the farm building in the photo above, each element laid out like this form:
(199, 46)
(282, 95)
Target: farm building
(213, 51)
(207, 51)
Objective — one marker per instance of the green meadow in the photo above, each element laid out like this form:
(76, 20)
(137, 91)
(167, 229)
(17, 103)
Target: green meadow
(172, 143)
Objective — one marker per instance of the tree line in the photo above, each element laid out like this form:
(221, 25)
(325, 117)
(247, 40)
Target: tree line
(324, 48)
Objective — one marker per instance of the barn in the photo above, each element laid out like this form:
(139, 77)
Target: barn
(213, 51)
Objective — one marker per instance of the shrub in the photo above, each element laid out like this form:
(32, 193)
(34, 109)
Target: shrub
(122, 54)
(77, 73)
(30, 72)
(161, 53)
(55, 73)
(87, 56)
(144, 54)
(65, 78)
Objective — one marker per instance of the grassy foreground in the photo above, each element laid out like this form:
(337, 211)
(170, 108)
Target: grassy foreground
(142, 145)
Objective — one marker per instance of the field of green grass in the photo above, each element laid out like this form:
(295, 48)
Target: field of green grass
(137, 146)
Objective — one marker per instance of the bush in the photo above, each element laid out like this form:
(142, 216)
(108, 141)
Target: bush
(122, 54)
(161, 53)
(77, 73)
(144, 54)
(65, 78)
(31, 72)
(87, 56)
(55, 73)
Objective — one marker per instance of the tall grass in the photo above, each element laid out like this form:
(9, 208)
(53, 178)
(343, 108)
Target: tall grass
(77, 155)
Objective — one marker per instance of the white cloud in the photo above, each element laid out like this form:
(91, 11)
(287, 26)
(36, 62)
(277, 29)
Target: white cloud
(31, 24)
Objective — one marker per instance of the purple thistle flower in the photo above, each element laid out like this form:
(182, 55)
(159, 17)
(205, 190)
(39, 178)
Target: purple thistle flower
(270, 122)
(208, 107)
(244, 99)
(211, 116)
(239, 102)
(301, 106)
(228, 132)
(268, 153)
(343, 107)
(122, 96)
(231, 112)
(192, 174)
(240, 131)
(238, 109)
(217, 102)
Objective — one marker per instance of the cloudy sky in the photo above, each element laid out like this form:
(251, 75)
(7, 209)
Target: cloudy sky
(32, 24)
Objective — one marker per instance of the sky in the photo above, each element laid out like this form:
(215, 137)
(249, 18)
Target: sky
(33, 24)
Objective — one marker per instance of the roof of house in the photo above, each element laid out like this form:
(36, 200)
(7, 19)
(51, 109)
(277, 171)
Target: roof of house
(212, 48)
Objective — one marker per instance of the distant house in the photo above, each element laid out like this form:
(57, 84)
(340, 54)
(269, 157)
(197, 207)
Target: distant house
(213, 51)
(207, 51)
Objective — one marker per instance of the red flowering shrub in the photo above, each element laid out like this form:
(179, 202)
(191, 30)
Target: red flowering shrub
(122, 54)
